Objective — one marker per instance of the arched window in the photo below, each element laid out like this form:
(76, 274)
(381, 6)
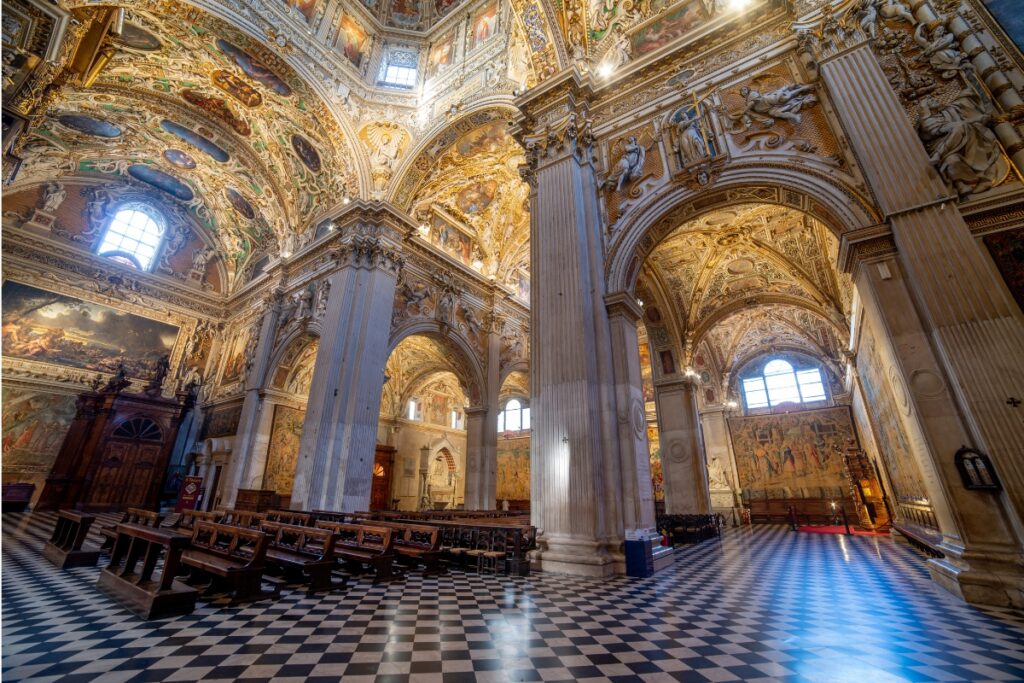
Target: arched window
(514, 416)
(413, 408)
(133, 236)
(780, 383)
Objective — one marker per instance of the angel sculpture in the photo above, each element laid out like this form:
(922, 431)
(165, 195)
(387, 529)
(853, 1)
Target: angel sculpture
(867, 13)
(960, 143)
(941, 51)
(631, 163)
(782, 103)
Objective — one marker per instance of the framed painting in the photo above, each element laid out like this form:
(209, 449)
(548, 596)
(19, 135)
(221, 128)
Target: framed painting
(353, 40)
(441, 55)
(484, 25)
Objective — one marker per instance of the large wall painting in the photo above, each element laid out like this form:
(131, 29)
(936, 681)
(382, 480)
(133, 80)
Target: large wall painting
(1010, 16)
(34, 426)
(485, 24)
(792, 454)
(513, 469)
(353, 40)
(285, 434)
(441, 55)
(307, 8)
(667, 29)
(53, 328)
(406, 13)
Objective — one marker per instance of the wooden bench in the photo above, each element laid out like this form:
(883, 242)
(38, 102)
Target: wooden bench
(330, 516)
(131, 516)
(241, 518)
(233, 554)
(303, 550)
(64, 548)
(808, 510)
(289, 517)
(16, 497)
(690, 528)
(135, 587)
(186, 521)
(500, 545)
(361, 544)
(417, 544)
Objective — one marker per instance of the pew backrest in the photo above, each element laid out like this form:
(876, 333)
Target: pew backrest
(231, 542)
(292, 517)
(375, 539)
(317, 544)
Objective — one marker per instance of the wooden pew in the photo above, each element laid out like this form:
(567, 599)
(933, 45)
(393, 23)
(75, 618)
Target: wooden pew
(289, 517)
(131, 516)
(360, 544)
(241, 518)
(303, 550)
(16, 497)
(135, 587)
(330, 516)
(808, 510)
(186, 521)
(234, 554)
(417, 543)
(466, 543)
(64, 548)
(690, 528)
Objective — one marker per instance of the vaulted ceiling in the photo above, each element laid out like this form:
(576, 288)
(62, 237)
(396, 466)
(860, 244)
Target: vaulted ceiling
(416, 363)
(752, 278)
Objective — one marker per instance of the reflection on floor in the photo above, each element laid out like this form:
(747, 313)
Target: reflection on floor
(767, 604)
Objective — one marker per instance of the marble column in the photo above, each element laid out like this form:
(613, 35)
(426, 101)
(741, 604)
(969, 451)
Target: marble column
(489, 435)
(238, 474)
(683, 463)
(475, 493)
(335, 464)
(634, 451)
(575, 470)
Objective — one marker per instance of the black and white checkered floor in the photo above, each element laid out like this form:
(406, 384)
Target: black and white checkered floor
(761, 605)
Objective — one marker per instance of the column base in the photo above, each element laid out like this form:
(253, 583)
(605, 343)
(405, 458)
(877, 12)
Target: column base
(577, 557)
(997, 581)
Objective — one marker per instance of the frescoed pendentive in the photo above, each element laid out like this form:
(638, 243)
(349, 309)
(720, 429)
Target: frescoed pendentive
(306, 152)
(477, 196)
(138, 38)
(179, 159)
(196, 140)
(236, 87)
(254, 68)
(89, 125)
(161, 181)
(240, 203)
(54, 328)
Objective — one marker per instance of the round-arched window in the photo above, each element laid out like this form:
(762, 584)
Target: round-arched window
(514, 416)
(133, 235)
(779, 382)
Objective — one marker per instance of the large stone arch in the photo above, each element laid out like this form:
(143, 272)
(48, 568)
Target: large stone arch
(470, 370)
(838, 206)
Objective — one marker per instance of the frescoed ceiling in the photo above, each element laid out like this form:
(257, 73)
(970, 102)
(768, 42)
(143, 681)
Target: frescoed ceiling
(418, 361)
(751, 278)
(199, 110)
(471, 187)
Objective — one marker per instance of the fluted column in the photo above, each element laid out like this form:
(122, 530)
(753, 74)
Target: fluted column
(475, 494)
(635, 464)
(335, 465)
(718, 445)
(575, 483)
(683, 463)
(239, 469)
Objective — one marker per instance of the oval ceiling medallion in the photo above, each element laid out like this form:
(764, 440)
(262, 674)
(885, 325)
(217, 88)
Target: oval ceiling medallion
(196, 140)
(179, 158)
(306, 152)
(138, 38)
(89, 125)
(161, 181)
(253, 68)
(740, 266)
(240, 203)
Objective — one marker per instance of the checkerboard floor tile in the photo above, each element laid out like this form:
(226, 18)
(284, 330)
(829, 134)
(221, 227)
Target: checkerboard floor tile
(759, 605)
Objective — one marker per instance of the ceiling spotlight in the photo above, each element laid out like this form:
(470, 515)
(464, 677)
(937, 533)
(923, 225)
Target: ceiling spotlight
(606, 69)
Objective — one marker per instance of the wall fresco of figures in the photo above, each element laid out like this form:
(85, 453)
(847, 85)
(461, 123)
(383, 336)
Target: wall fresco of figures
(54, 328)
(353, 41)
(668, 28)
(283, 453)
(792, 454)
(513, 469)
(35, 423)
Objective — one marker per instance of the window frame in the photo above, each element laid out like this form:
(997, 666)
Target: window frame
(791, 385)
(150, 211)
(522, 409)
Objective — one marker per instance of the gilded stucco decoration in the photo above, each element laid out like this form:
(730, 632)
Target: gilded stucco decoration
(203, 113)
(416, 362)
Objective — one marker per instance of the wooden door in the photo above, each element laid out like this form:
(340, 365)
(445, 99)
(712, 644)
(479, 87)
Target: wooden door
(383, 464)
(129, 467)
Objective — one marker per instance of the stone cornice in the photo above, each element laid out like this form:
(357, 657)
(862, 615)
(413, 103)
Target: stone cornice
(865, 245)
(621, 303)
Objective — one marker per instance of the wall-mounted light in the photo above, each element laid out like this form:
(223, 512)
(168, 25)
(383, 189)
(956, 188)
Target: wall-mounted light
(605, 70)
(346, 201)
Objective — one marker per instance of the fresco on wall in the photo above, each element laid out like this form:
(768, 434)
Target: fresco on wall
(485, 24)
(307, 8)
(161, 181)
(1007, 249)
(891, 440)
(668, 28)
(223, 421)
(443, 7)
(89, 125)
(138, 38)
(34, 426)
(240, 203)
(1010, 17)
(441, 55)
(236, 87)
(53, 328)
(234, 366)
(218, 108)
(513, 469)
(283, 453)
(196, 140)
(353, 41)
(791, 454)
(487, 139)
(451, 239)
(306, 152)
(254, 68)
(179, 159)
(476, 196)
(406, 13)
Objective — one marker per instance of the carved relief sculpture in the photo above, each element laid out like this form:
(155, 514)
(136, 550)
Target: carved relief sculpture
(960, 143)
(782, 103)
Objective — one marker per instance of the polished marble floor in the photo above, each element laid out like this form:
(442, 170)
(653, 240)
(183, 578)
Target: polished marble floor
(760, 605)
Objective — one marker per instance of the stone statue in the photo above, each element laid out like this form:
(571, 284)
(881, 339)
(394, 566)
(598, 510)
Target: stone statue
(305, 308)
(53, 196)
(867, 12)
(960, 143)
(690, 139)
(162, 367)
(118, 382)
(941, 51)
(621, 51)
(446, 306)
(321, 300)
(782, 103)
(631, 163)
(472, 322)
